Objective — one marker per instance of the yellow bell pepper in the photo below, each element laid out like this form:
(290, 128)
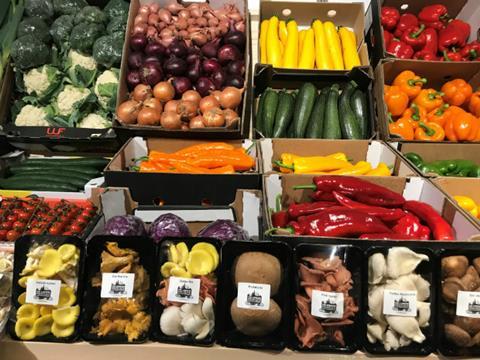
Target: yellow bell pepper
(360, 168)
(323, 58)
(274, 55)
(301, 39)
(314, 164)
(381, 170)
(307, 59)
(467, 204)
(333, 43)
(263, 41)
(349, 47)
(282, 32)
(290, 59)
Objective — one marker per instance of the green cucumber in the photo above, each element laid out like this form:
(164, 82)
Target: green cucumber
(259, 116)
(79, 183)
(317, 118)
(348, 121)
(303, 108)
(331, 128)
(94, 163)
(66, 169)
(284, 114)
(269, 111)
(358, 101)
(32, 184)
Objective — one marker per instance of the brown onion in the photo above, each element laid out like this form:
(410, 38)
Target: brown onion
(148, 116)
(184, 14)
(140, 18)
(166, 40)
(151, 32)
(161, 25)
(201, 22)
(140, 28)
(142, 92)
(216, 94)
(164, 91)
(207, 103)
(190, 21)
(165, 15)
(230, 97)
(240, 26)
(235, 16)
(144, 9)
(174, 7)
(152, 19)
(183, 34)
(214, 118)
(127, 111)
(171, 106)
(197, 122)
(153, 103)
(154, 7)
(198, 38)
(231, 117)
(166, 32)
(213, 21)
(170, 120)
(192, 95)
(181, 24)
(187, 109)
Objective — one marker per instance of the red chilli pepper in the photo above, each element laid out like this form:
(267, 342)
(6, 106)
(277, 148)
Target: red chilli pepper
(425, 55)
(455, 35)
(389, 17)
(433, 16)
(387, 236)
(405, 22)
(303, 209)
(415, 37)
(383, 214)
(387, 37)
(280, 217)
(400, 50)
(440, 228)
(410, 226)
(471, 51)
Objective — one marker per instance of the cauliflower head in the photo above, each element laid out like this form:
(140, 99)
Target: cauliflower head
(106, 88)
(81, 69)
(85, 61)
(42, 81)
(94, 121)
(70, 98)
(31, 115)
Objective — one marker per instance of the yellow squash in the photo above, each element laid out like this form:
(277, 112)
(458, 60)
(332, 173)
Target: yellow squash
(307, 59)
(349, 47)
(263, 41)
(282, 32)
(290, 58)
(333, 42)
(323, 58)
(301, 39)
(274, 53)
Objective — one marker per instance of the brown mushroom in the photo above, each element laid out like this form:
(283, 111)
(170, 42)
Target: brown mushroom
(450, 288)
(470, 325)
(471, 280)
(256, 322)
(454, 266)
(476, 263)
(457, 335)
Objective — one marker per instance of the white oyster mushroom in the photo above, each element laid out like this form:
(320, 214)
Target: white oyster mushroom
(377, 268)
(424, 312)
(422, 286)
(407, 326)
(375, 303)
(170, 321)
(207, 309)
(375, 332)
(404, 282)
(403, 261)
(192, 309)
(193, 324)
(391, 340)
(204, 331)
(404, 341)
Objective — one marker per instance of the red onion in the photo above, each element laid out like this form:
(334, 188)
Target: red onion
(209, 66)
(236, 38)
(235, 81)
(204, 86)
(191, 58)
(178, 48)
(152, 58)
(194, 71)
(210, 49)
(218, 78)
(135, 60)
(154, 49)
(151, 73)
(240, 26)
(228, 53)
(175, 66)
(138, 42)
(181, 84)
(133, 79)
(236, 67)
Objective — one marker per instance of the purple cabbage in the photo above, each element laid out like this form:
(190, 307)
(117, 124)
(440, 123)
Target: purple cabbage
(224, 230)
(168, 225)
(125, 225)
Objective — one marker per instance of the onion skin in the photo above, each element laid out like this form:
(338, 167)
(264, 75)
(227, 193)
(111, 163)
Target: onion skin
(170, 120)
(142, 92)
(148, 116)
(230, 97)
(164, 91)
(197, 122)
(192, 95)
(127, 111)
(207, 103)
(171, 106)
(214, 118)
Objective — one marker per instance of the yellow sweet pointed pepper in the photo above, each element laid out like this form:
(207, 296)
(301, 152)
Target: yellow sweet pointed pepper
(314, 164)
(290, 59)
(282, 32)
(334, 46)
(381, 170)
(288, 159)
(274, 53)
(307, 59)
(349, 47)
(263, 41)
(323, 59)
(467, 204)
(360, 168)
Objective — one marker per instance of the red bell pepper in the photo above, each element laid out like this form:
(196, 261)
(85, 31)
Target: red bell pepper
(387, 236)
(471, 51)
(431, 41)
(425, 55)
(410, 226)
(389, 17)
(388, 37)
(279, 217)
(455, 35)
(433, 16)
(440, 228)
(303, 209)
(415, 37)
(400, 50)
(406, 22)
(451, 56)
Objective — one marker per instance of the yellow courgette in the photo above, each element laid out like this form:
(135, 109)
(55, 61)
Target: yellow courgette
(333, 42)
(263, 41)
(301, 39)
(290, 58)
(274, 55)
(323, 59)
(307, 59)
(349, 47)
(282, 32)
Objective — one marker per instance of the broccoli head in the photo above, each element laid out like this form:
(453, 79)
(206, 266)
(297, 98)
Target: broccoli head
(118, 24)
(42, 9)
(68, 7)
(91, 14)
(116, 8)
(83, 36)
(29, 51)
(107, 50)
(61, 29)
(34, 26)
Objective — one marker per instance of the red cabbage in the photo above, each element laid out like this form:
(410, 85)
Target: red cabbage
(224, 230)
(168, 225)
(125, 225)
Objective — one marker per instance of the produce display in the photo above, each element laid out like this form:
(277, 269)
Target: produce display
(320, 46)
(455, 167)
(345, 206)
(333, 164)
(52, 174)
(205, 158)
(397, 270)
(468, 204)
(6, 275)
(50, 262)
(420, 113)
(194, 320)
(10, 16)
(38, 216)
(192, 60)
(325, 114)
(430, 35)
(66, 58)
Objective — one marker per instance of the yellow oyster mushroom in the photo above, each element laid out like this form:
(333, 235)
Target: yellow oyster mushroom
(212, 250)
(24, 328)
(180, 272)
(173, 254)
(67, 251)
(31, 311)
(43, 325)
(46, 310)
(66, 316)
(167, 268)
(67, 297)
(62, 331)
(200, 262)
(182, 251)
(21, 298)
(22, 282)
(49, 264)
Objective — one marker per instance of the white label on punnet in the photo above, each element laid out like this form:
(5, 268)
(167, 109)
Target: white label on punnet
(253, 296)
(468, 304)
(183, 290)
(400, 303)
(117, 285)
(327, 305)
(43, 292)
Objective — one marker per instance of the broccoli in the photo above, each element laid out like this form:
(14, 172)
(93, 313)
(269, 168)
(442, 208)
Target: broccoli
(42, 82)
(39, 8)
(34, 26)
(91, 14)
(68, 7)
(107, 50)
(83, 36)
(116, 8)
(29, 51)
(61, 29)
(117, 24)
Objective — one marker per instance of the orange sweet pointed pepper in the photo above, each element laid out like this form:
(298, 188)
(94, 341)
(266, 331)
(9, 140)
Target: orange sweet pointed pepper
(429, 132)
(409, 83)
(415, 114)
(461, 125)
(396, 100)
(429, 99)
(456, 92)
(474, 103)
(192, 150)
(217, 158)
(439, 115)
(403, 128)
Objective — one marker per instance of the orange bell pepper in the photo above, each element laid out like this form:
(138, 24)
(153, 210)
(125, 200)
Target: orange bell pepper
(396, 100)
(415, 114)
(429, 132)
(429, 99)
(474, 103)
(403, 128)
(409, 83)
(439, 115)
(461, 125)
(456, 92)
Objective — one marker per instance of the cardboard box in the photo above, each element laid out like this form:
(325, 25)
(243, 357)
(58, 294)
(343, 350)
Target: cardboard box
(292, 79)
(412, 189)
(348, 15)
(177, 189)
(372, 151)
(127, 131)
(466, 10)
(437, 73)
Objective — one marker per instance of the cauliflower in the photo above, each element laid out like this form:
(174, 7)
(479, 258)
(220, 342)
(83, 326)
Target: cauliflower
(42, 81)
(32, 116)
(70, 98)
(81, 69)
(94, 121)
(87, 62)
(106, 89)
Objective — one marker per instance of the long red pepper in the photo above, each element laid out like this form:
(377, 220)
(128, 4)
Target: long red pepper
(387, 236)
(322, 196)
(440, 228)
(303, 209)
(279, 217)
(410, 226)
